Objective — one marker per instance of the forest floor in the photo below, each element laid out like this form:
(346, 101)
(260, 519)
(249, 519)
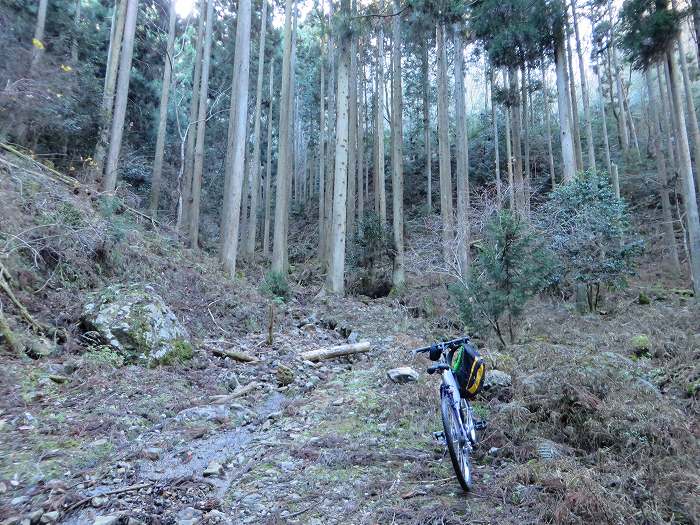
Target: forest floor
(599, 425)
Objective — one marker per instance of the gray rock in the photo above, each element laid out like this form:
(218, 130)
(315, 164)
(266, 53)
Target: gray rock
(496, 379)
(216, 413)
(50, 517)
(111, 519)
(402, 374)
(19, 500)
(213, 469)
(135, 321)
(188, 516)
(534, 384)
(35, 516)
(151, 453)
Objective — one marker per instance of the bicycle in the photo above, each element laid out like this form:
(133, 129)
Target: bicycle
(457, 416)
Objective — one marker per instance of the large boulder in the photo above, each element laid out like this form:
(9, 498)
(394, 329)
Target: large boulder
(136, 322)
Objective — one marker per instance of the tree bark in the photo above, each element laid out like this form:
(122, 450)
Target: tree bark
(575, 127)
(352, 135)
(690, 107)
(584, 92)
(669, 235)
(463, 227)
(336, 270)
(496, 152)
(361, 133)
(251, 235)
(122, 95)
(322, 165)
(76, 27)
(691, 204)
(268, 162)
(163, 112)
(379, 187)
(279, 245)
(397, 181)
(604, 121)
(426, 128)
(110, 83)
(515, 130)
(198, 166)
(567, 145)
(548, 128)
(444, 148)
(235, 149)
(38, 44)
(188, 165)
(526, 140)
(509, 151)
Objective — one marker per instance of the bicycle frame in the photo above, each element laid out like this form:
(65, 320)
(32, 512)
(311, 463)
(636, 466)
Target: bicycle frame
(450, 389)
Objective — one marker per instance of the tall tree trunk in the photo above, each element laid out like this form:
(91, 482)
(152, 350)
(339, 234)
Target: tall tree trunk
(163, 111)
(292, 160)
(548, 127)
(236, 146)
(509, 151)
(463, 227)
(322, 164)
(188, 165)
(76, 27)
(575, 127)
(361, 133)
(695, 7)
(336, 270)
(352, 135)
(426, 128)
(669, 235)
(379, 188)
(399, 274)
(110, 83)
(515, 131)
(122, 95)
(249, 247)
(198, 167)
(444, 148)
(496, 152)
(279, 245)
(604, 121)
(38, 44)
(666, 113)
(690, 107)
(526, 140)
(564, 108)
(691, 203)
(584, 92)
(620, 101)
(268, 162)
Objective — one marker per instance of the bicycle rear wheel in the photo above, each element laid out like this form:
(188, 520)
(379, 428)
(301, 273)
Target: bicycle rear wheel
(459, 452)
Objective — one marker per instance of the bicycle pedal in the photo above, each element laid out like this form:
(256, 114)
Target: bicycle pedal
(439, 436)
(480, 425)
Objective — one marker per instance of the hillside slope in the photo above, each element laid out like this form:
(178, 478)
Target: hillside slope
(599, 425)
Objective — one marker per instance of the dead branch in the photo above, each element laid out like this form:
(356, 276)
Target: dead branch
(335, 351)
(234, 354)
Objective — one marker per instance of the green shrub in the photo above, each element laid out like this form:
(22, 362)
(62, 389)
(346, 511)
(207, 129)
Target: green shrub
(512, 266)
(276, 286)
(371, 254)
(588, 229)
(104, 356)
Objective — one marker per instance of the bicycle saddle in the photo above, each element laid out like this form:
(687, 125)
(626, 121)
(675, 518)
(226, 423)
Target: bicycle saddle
(439, 366)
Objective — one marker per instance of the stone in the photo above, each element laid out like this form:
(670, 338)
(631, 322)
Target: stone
(213, 469)
(216, 413)
(58, 378)
(35, 517)
(19, 500)
(99, 501)
(151, 453)
(496, 380)
(402, 374)
(111, 519)
(12, 520)
(136, 322)
(50, 517)
(284, 375)
(188, 516)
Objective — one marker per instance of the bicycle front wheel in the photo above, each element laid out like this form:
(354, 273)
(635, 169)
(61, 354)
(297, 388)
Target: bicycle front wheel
(457, 445)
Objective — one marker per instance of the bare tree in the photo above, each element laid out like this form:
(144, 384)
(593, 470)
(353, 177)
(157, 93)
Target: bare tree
(444, 143)
(399, 274)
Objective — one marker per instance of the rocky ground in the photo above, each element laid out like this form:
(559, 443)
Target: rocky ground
(594, 418)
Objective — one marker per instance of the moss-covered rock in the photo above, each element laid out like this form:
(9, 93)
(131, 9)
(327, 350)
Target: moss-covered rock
(641, 345)
(136, 322)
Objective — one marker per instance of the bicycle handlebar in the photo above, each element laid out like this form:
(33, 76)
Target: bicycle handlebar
(444, 345)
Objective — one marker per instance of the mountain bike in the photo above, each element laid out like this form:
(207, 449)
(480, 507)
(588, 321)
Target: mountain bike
(457, 417)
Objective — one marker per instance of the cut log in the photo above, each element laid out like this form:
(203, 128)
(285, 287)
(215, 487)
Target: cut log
(235, 355)
(335, 351)
(239, 392)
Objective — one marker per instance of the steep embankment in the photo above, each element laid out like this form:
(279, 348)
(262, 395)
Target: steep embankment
(599, 424)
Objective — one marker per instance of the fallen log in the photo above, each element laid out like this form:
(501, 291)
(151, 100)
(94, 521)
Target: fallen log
(239, 392)
(235, 355)
(335, 351)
